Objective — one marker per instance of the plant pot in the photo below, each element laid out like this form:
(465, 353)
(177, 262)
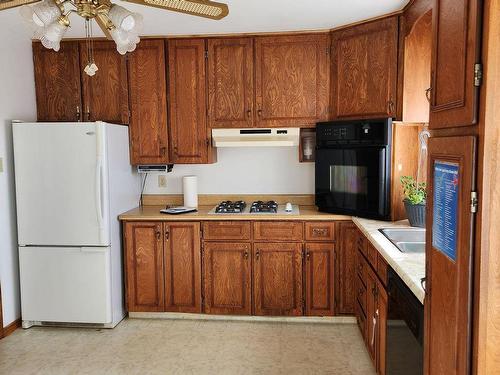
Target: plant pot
(415, 213)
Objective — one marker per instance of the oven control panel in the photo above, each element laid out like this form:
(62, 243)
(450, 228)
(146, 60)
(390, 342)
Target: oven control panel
(368, 132)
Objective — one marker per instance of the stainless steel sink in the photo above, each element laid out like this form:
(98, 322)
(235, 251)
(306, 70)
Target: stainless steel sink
(407, 240)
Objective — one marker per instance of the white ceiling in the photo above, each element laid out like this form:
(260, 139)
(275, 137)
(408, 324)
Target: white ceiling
(250, 16)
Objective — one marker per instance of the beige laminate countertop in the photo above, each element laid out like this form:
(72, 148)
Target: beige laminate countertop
(152, 213)
(409, 267)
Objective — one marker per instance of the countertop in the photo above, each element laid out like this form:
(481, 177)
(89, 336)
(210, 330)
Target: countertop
(152, 213)
(410, 267)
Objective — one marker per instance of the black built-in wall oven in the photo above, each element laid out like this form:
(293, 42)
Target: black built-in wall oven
(353, 167)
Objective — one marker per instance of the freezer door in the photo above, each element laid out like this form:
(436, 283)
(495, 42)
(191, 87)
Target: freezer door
(70, 285)
(61, 184)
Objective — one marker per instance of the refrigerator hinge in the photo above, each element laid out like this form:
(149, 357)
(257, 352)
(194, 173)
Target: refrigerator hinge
(478, 74)
(474, 202)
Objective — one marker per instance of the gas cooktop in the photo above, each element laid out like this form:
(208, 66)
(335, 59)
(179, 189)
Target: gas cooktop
(257, 207)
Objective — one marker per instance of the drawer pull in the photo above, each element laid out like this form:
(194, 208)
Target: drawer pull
(320, 232)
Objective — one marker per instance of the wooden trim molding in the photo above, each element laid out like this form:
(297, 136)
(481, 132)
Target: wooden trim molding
(213, 199)
(8, 330)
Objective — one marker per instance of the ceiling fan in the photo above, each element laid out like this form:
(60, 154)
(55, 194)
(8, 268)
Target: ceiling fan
(49, 19)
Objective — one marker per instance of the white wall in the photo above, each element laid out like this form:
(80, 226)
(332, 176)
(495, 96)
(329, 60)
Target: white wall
(17, 101)
(273, 170)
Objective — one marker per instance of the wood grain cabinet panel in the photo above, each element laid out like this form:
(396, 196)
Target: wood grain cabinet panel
(148, 103)
(182, 267)
(371, 315)
(277, 279)
(456, 50)
(292, 80)
(278, 231)
(364, 70)
(228, 280)
(189, 139)
(230, 83)
(144, 266)
(57, 83)
(105, 95)
(319, 279)
(320, 231)
(346, 266)
(227, 230)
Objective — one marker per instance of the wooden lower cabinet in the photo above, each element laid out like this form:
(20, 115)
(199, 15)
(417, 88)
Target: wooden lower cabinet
(346, 268)
(278, 279)
(144, 266)
(227, 278)
(319, 279)
(182, 267)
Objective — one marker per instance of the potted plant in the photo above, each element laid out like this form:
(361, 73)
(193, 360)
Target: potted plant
(415, 195)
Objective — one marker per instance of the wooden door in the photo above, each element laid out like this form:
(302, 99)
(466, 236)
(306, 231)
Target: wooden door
(277, 279)
(230, 83)
(228, 279)
(57, 83)
(182, 267)
(364, 70)
(148, 103)
(449, 255)
(189, 139)
(319, 276)
(456, 50)
(291, 80)
(346, 268)
(105, 95)
(144, 266)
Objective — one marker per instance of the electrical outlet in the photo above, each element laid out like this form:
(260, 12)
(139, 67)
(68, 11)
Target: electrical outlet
(162, 181)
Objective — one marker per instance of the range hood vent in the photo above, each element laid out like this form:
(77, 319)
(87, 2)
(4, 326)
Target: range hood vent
(279, 137)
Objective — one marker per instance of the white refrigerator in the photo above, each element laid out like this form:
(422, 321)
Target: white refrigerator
(72, 181)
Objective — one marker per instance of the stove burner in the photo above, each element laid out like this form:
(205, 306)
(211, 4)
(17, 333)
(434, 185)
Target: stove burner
(260, 206)
(230, 207)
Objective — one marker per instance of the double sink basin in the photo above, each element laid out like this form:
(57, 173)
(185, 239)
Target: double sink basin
(407, 240)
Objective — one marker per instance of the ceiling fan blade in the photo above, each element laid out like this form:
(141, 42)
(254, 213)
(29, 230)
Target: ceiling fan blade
(7, 4)
(201, 8)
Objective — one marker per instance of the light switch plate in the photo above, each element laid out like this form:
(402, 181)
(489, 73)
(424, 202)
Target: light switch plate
(162, 181)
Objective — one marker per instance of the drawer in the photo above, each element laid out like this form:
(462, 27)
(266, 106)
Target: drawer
(382, 269)
(278, 231)
(361, 320)
(372, 255)
(226, 230)
(320, 231)
(361, 294)
(361, 243)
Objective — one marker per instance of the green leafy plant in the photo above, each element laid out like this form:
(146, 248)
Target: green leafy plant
(415, 193)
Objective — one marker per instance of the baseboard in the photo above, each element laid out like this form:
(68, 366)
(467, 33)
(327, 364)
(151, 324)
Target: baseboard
(8, 330)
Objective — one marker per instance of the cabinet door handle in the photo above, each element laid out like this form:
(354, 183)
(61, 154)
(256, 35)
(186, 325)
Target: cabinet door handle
(245, 255)
(158, 235)
(78, 114)
(428, 94)
(391, 106)
(88, 113)
(163, 151)
(259, 112)
(375, 319)
(257, 255)
(249, 113)
(308, 255)
(167, 235)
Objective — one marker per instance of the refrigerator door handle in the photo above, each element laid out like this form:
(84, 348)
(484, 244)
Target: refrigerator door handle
(98, 193)
(94, 249)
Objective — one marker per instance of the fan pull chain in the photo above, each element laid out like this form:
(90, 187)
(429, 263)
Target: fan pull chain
(91, 67)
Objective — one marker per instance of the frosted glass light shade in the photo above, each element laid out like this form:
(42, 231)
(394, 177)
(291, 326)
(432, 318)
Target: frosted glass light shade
(125, 20)
(41, 14)
(125, 41)
(52, 36)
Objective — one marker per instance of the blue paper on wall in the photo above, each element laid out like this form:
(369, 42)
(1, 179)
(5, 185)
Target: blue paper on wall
(444, 227)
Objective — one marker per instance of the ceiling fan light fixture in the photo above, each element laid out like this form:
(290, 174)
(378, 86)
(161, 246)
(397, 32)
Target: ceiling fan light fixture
(54, 33)
(125, 41)
(42, 14)
(202, 8)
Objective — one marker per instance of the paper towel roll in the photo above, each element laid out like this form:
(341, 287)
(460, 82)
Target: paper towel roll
(190, 189)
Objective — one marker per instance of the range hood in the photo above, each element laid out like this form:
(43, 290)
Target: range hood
(278, 137)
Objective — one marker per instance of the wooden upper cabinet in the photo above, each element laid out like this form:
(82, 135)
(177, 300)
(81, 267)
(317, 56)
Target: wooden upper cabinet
(291, 80)
(364, 70)
(230, 83)
(105, 95)
(456, 50)
(148, 103)
(278, 279)
(346, 268)
(57, 83)
(144, 266)
(189, 137)
(319, 279)
(182, 267)
(228, 280)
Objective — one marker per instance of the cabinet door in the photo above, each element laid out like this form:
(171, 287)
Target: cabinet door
(382, 304)
(182, 267)
(292, 80)
(278, 279)
(230, 83)
(105, 95)
(319, 276)
(227, 278)
(456, 43)
(372, 314)
(189, 140)
(364, 70)
(346, 268)
(148, 103)
(144, 267)
(449, 254)
(57, 82)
